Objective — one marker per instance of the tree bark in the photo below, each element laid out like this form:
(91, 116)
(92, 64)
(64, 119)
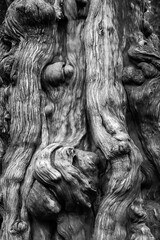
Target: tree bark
(79, 149)
(106, 104)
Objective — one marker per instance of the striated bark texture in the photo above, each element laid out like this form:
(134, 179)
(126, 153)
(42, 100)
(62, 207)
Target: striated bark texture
(141, 81)
(79, 120)
(33, 48)
(106, 104)
(43, 70)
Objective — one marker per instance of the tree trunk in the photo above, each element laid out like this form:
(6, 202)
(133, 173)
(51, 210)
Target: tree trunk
(106, 104)
(79, 120)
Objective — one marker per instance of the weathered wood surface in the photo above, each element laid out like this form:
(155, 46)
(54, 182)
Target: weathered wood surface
(79, 151)
(106, 104)
(141, 82)
(48, 123)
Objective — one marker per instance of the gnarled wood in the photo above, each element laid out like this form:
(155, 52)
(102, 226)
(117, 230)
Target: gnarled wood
(79, 151)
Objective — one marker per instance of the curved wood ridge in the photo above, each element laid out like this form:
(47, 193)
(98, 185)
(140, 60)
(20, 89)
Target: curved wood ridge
(106, 105)
(43, 68)
(29, 29)
(63, 118)
(141, 81)
(70, 173)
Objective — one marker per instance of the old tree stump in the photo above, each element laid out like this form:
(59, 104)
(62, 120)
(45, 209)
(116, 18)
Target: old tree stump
(79, 120)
